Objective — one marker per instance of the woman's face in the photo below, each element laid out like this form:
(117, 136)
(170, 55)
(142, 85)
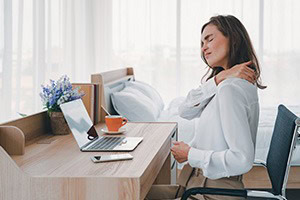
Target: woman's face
(215, 47)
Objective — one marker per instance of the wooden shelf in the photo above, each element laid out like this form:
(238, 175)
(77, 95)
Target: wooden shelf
(17, 134)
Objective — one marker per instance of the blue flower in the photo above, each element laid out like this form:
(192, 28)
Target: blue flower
(58, 92)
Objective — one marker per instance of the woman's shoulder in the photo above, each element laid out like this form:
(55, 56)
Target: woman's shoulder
(237, 82)
(238, 86)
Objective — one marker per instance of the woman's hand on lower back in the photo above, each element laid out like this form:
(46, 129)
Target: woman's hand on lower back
(242, 71)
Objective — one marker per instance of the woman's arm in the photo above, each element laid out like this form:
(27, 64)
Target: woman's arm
(197, 99)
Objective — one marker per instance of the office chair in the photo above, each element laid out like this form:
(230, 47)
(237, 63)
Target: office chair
(278, 162)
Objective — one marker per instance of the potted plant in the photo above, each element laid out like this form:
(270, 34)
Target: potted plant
(55, 94)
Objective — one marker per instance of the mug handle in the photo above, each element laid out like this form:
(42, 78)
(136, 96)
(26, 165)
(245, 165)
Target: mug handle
(124, 121)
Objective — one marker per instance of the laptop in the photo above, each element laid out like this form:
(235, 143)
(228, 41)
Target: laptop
(85, 133)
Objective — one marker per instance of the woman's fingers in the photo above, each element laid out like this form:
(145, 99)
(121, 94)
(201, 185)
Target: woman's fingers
(250, 72)
(247, 76)
(250, 76)
(246, 63)
(248, 69)
(245, 72)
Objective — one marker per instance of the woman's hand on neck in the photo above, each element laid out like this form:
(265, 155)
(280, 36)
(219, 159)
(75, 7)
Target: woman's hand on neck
(239, 71)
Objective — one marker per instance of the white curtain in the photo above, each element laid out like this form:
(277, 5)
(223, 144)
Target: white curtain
(44, 39)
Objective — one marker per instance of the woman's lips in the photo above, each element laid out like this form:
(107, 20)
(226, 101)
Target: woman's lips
(207, 54)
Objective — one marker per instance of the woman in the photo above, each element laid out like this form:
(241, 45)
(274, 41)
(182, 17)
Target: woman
(222, 149)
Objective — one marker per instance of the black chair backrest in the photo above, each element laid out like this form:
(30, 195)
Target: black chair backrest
(280, 148)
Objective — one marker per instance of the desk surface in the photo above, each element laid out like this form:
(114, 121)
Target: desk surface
(62, 158)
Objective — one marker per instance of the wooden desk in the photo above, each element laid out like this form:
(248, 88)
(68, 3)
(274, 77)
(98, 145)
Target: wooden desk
(60, 171)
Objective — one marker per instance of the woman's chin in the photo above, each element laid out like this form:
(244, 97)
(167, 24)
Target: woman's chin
(212, 64)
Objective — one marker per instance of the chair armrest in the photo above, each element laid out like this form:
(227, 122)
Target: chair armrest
(261, 194)
(258, 162)
(214, 191)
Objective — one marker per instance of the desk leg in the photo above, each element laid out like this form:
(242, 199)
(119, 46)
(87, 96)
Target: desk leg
(164, 175)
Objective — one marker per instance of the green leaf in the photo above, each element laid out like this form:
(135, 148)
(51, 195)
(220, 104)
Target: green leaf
(22, 114)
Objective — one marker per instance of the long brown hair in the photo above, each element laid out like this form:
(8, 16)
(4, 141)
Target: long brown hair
(240, 46)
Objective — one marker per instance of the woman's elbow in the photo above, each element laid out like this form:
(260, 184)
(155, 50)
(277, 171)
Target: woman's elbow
(186, 115)
(245, 164)
(182, 111)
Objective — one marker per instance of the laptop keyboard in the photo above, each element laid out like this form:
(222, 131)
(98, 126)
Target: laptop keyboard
(107, 143)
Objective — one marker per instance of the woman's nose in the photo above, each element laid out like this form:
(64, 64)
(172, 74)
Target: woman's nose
(204, 48)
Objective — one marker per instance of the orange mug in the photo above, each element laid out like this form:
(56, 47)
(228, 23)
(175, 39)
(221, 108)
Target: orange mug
(114, 122)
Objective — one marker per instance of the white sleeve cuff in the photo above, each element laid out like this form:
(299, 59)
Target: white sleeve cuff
(196, 157)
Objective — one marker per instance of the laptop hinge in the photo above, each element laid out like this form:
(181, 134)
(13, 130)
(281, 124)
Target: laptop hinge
(92, 135)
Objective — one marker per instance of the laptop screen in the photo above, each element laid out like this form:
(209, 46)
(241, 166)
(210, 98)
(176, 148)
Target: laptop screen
(78, 120)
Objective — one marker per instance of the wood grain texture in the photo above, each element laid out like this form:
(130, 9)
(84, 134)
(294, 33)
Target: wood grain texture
(14, 184)
(258, 177)
(12, 139)
(113, 75)
(59, 170)
(32, 126)
(97, 79)
(164, 175)
(89, 99)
